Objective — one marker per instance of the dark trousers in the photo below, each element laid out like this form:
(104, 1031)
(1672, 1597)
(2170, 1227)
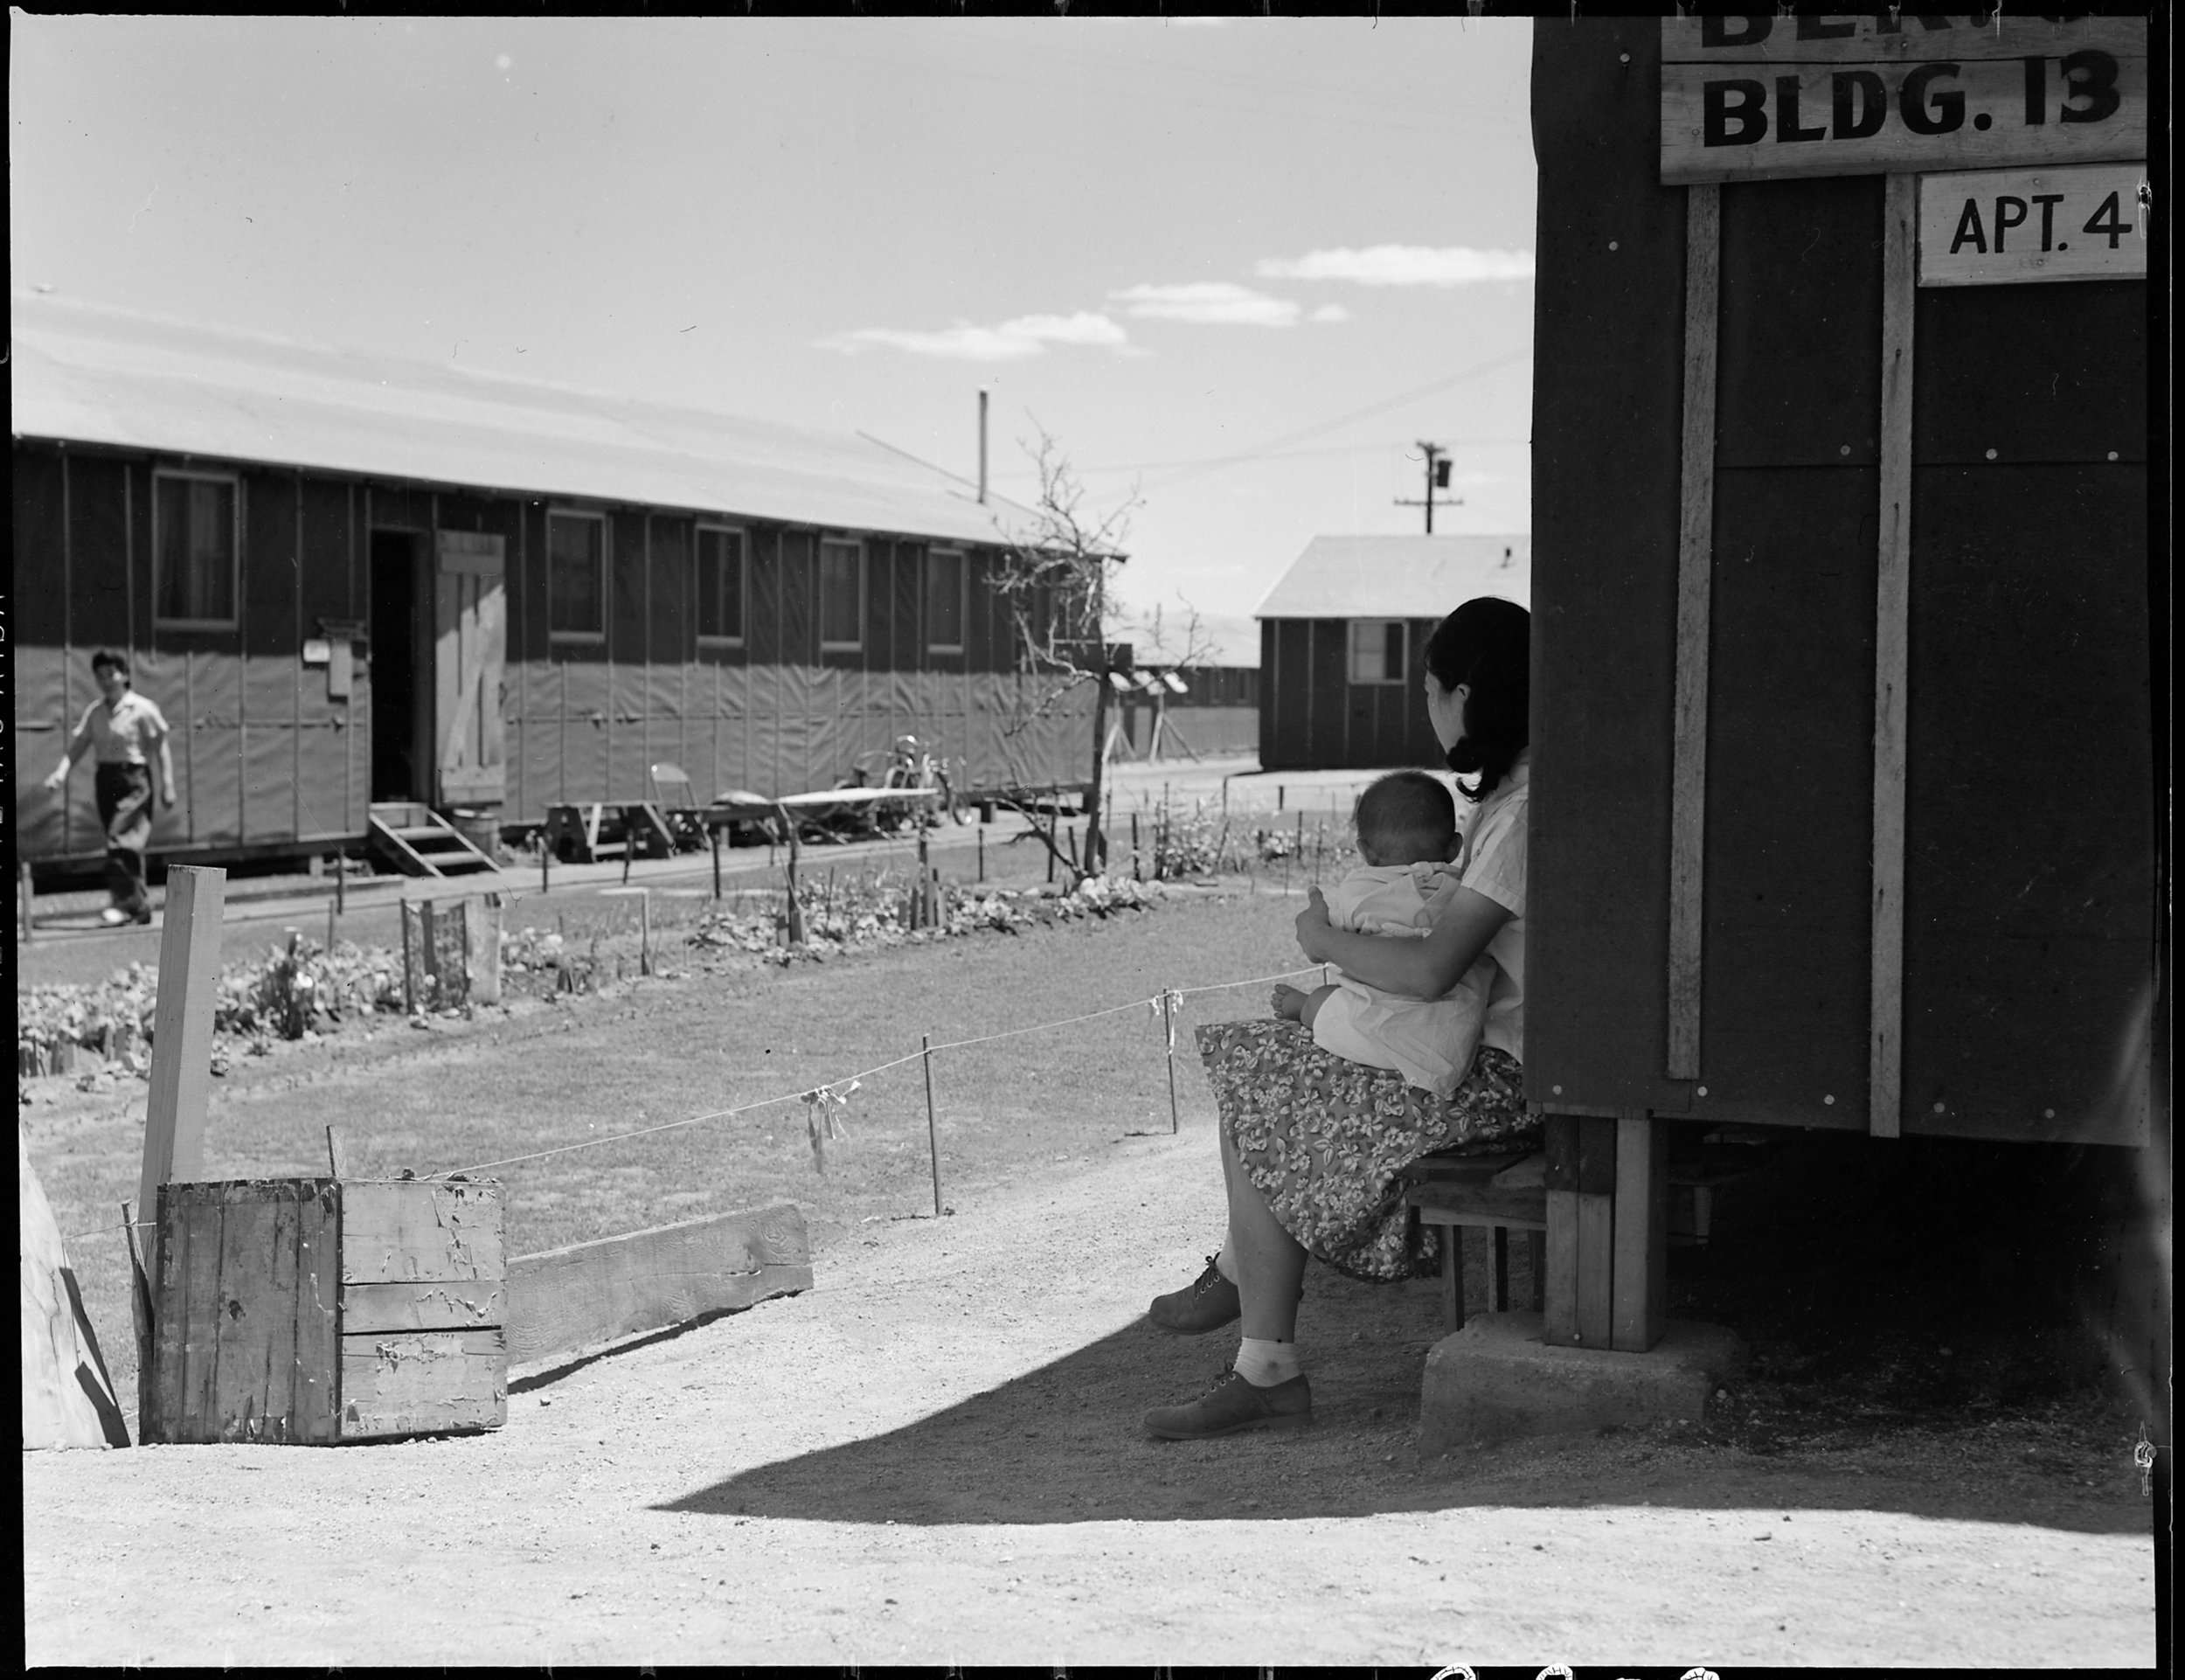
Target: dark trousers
(124, 812)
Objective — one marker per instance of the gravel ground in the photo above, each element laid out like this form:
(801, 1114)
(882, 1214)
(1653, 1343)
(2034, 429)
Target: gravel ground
(934, 1457)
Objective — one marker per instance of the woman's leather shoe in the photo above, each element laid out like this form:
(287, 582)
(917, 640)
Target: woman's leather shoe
(1209, 1303)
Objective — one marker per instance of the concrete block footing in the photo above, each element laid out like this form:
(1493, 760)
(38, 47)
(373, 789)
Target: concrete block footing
(1496, 1379)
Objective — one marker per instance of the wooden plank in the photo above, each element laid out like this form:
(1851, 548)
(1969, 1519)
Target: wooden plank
(1893, 658)
(246, 1341)
(596, 1292)
(421, 1231)
(1596, 1225)
(413, 1384)
(1642, 1269)
(1480, 1204)
(182, 1031)
(440, 1304)
(1696, 560)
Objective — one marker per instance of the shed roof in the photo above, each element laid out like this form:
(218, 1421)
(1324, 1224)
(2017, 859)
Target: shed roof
(87, 374)
(1399, 577)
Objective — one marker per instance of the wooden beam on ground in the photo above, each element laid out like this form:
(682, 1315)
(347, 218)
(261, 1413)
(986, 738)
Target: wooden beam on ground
(1892, 655)
(597, 1292)
(182, 1036)
(1641, 1285)
(1596, 1231)
(1695, 561)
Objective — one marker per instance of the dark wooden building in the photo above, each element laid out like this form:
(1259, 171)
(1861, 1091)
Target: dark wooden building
(350, 582)
(1339, 638)
(1848, 703)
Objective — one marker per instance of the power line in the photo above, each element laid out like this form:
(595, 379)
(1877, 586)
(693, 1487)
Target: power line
(1367, 413)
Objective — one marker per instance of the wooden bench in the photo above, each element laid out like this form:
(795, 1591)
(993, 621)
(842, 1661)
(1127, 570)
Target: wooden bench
(1499, 1193)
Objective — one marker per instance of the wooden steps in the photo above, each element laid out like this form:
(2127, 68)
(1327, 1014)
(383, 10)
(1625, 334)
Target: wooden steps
(418, 841)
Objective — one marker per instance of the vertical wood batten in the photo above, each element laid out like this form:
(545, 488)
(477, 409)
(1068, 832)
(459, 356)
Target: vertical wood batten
(1892, 656)
(1688, 809)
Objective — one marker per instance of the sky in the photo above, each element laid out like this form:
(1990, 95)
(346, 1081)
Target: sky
(1236, 269)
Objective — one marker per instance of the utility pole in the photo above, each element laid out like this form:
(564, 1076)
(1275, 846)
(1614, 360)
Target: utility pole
(1437, 479)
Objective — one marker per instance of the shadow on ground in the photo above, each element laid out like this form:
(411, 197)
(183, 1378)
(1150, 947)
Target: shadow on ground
(1898, 1364)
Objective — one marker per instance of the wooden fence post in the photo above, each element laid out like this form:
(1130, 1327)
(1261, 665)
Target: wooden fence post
(933, 1132)
(27, 900)
(714, 834)
(482, 940)
(410, 975)
(645, 931)
(437, 986)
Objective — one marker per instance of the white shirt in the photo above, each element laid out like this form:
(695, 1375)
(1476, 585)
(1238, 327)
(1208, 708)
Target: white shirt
(1493, 865)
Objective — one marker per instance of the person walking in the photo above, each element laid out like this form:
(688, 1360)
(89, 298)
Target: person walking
(125, 729)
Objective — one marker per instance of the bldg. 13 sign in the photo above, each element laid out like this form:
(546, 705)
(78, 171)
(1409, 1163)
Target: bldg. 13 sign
(1768, 95)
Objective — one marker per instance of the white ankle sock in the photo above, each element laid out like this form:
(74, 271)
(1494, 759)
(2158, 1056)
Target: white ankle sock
(1226, 1266)
(1264, 1364)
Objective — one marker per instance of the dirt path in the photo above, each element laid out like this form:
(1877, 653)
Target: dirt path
(935, 1456)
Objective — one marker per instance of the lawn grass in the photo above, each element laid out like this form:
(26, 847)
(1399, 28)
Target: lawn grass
(659, 1051)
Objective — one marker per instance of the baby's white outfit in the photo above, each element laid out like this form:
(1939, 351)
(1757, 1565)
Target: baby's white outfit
(1430, 1041)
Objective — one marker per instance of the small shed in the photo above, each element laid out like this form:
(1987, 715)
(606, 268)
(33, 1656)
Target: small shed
(352, 581)
(1339, 638)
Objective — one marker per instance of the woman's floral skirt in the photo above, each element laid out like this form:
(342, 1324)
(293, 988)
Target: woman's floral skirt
(1325, 1140)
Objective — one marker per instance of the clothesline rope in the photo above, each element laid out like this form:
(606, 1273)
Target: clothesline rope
(1179, 993)
(863, 1073)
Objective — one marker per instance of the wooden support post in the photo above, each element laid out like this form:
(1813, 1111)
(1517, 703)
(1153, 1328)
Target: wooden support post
(341, 884)
(1892, 660)
(182, 1037)
(714, 834)
(1452, 1277)
(1641, 1241)
(932, 1130)
(332, 923)
(412, 976)
(1498, 1272)
(26, 900)
(481, 953)
(1559, 1278)
(645, 931)
(981, 833)
(1695, 561)
(545, 860)
(1596, 1231)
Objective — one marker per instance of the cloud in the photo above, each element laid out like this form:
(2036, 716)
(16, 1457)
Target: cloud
(1012, 341)
(1402, 264)
(1330, 312)
(1208, 302)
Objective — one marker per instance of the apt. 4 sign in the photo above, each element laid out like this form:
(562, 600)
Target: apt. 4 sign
(1746, 98)
(1990, 227)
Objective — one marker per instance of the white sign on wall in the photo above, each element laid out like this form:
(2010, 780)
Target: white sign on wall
(1888, 91)
(1993, 227)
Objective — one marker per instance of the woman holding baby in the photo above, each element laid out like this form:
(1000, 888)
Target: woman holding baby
(1314, 1140)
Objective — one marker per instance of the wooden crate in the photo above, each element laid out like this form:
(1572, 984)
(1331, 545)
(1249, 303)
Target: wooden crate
(317, 1311)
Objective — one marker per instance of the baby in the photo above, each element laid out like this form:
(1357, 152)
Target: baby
(1407, 834)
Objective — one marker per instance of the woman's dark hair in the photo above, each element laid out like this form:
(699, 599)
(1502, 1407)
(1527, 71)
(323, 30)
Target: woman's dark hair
(107, 660)
(1487, 644)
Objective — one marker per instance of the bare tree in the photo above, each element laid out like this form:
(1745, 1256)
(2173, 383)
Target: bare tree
(1056, 578)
